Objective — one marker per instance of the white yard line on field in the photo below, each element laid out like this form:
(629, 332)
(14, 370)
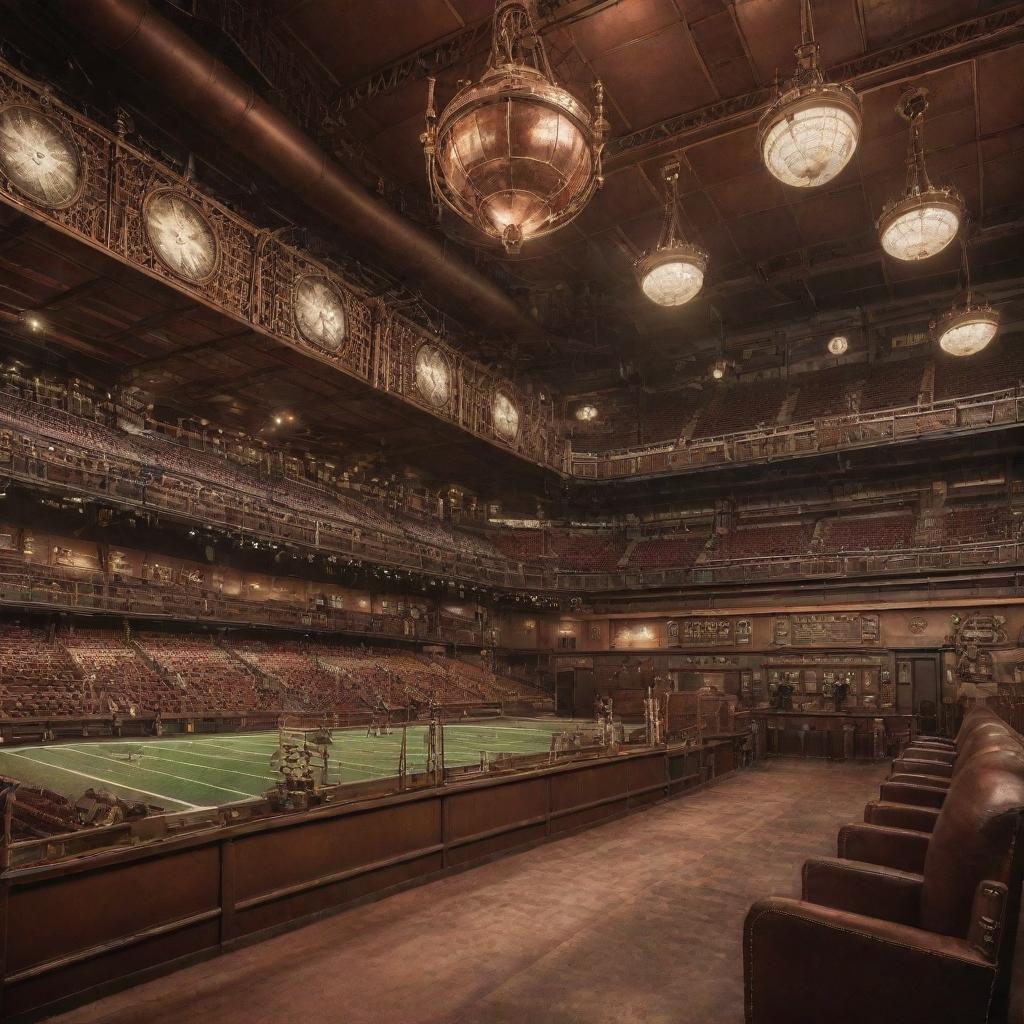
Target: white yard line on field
(156, 771)
(106, 782)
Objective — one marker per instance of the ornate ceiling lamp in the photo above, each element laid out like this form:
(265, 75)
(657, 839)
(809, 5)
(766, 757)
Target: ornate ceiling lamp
(925, 219)
(673, 273)
(808, 135)
(515, 154)
(966, 329)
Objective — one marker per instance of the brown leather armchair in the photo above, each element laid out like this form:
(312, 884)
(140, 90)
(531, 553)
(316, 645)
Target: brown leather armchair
(941, 763)
(911, 933)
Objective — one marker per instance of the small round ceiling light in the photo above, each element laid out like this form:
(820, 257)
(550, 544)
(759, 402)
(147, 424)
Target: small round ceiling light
(809, 134)
(925, 219)
(838, 345)
(966, 330)
(586, 413)
(673, 272)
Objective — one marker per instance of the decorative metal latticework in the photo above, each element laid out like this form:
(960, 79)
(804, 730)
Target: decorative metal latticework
(257, 277)
(514, 154)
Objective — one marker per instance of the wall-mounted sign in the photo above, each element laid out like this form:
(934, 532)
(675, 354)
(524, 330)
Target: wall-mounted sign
(824, 629)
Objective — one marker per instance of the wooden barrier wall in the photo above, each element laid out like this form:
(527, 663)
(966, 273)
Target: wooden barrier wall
(79, 929)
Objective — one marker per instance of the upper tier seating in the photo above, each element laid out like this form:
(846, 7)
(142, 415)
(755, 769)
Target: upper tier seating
(737, 407)
(587, 551)
(893, 385)
(971, 523)
(868, 533)
(999, 366)
(667, 552)
(764, 541)
(520, 545)
(831, 392)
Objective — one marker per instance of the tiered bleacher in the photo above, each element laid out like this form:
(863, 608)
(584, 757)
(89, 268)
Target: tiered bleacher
(667, 552)
(99, 673)
(883, 532)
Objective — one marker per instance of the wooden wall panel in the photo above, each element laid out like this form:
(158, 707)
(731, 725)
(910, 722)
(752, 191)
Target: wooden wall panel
(82, 911)
(587, 785)
(484, 809)
(273, 860)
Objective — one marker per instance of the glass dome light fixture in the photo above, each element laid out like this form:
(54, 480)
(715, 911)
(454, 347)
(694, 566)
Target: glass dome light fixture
(925, 219)
(586, 413)
(838, 345)
(673, 272)
(966, 329)
(514, 154)
(808, 135)
(719, 369)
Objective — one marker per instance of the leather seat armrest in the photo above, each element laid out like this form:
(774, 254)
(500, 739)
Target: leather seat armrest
(863, 889)
(900, 848)
(919, 819)
(912, 793)
(915, 766)
(804, 964)
(916, 753)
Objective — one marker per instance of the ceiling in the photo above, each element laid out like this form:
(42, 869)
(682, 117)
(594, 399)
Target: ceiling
(780, 258)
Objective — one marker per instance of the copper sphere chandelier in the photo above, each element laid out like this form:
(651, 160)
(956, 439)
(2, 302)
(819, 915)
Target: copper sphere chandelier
(514, 154)
(808, 135)
(925, 219)
(673, 272)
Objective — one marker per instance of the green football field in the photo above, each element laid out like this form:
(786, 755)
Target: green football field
(180, 773)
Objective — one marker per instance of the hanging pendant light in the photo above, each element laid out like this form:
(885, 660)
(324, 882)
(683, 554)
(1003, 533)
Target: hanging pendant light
(966, 329)
(514, 154)
(673, 272)
(808, 135)
(925, 219)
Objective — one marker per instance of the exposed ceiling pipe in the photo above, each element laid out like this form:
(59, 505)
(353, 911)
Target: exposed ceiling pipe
(218, 99)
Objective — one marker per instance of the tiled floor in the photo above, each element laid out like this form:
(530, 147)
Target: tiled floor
(637, 920)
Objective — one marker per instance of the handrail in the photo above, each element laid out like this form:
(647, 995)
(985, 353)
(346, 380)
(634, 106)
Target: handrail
(765, 435)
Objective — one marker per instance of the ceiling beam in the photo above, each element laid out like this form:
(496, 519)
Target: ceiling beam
(471, 41)
(963, 41)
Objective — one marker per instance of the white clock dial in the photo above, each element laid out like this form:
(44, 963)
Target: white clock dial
(506, 416)
(38, 157)
(433, 376)
(320, 313)
(181, 235)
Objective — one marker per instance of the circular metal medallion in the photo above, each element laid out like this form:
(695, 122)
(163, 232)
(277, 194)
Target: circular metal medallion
(433, 375)
(320, 312)
(181, 236)
(506, 416)
(38, 157)
(918, 624)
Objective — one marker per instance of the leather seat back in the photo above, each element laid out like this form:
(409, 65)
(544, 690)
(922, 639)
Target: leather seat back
(973, 839)
(992, 735)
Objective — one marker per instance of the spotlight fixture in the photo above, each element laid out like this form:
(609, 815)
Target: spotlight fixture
(719, 368)
(586, 413)
(514, 154)
(966, 329)
(808, 135)
(673, 272)
(925, 219)
(838, 345)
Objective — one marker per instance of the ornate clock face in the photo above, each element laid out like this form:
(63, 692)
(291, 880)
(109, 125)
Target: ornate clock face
(506, 416)
(320, 313)
(433, 376)
(180, 234)
(38, 157)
